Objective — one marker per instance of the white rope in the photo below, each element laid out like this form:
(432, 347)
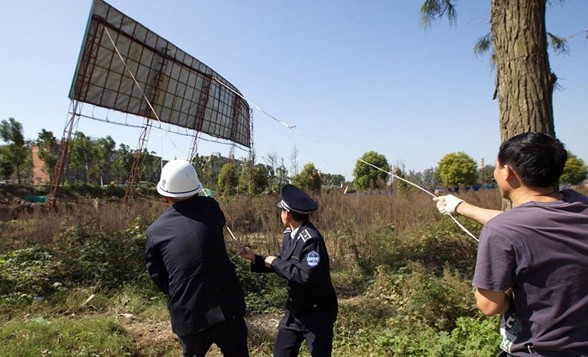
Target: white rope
(228, 229)
(289, 126)
(140, 89)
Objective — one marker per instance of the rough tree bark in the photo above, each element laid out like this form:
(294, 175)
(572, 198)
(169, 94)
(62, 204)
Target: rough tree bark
(525, 81)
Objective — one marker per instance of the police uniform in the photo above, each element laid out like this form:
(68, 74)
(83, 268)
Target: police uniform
(311, 309)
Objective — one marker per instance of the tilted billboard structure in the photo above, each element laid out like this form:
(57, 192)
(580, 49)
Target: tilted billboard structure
(126, 67)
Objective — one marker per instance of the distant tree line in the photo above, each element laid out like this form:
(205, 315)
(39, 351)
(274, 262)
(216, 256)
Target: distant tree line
(97, 161)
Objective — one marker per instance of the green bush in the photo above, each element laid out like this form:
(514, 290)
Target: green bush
(100, 258)
(422, 296)
(476, 337)
(30, 272)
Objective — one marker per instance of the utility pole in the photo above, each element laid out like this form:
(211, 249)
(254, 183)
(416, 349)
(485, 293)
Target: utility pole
(483, 174)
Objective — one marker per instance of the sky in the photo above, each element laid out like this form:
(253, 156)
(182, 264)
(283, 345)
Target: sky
(352, 76)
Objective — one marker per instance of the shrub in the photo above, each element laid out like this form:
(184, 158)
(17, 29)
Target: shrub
(29, 272)
(475, 337)
(418, 295)
(100, 258)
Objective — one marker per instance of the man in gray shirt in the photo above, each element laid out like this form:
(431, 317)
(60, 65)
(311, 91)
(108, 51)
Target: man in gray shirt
(532, 262)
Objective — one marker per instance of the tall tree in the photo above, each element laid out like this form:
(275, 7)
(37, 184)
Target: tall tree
(253, 179)
(294, 160)
(457, 169)
(104, 149)
(123, 163)
(11, 132)
(427, 179)
(525, 82)
(227, 180)
(6, 167)
(308, 178)
(83, 152)
(278, 174)
(332, 180)
(371, 171)
(48, 150)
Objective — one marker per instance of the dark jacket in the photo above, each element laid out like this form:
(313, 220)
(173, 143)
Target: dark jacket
(186, 258)
(304, 262)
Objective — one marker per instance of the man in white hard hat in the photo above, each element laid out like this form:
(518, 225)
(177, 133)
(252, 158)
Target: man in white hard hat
(186, 258)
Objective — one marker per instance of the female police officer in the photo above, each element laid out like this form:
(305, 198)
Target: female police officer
(311, 309)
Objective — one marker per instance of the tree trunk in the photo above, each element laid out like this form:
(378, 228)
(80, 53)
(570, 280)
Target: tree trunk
(525, 82)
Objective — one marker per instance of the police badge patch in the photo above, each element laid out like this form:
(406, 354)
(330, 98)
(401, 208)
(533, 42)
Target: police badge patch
(313, 258)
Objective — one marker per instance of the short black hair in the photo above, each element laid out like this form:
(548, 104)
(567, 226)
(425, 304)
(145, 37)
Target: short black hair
(537, 158)
(300, 217)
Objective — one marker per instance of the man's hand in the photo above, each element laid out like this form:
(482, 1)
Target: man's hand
(447, 204)
(247, 253)
(268, 260)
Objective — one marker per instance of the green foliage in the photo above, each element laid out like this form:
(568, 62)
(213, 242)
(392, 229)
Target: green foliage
(419, 295)
(6, 167)
(398, 184)
(486, 174)
(48, 150)
(308, 179)
(359, 323)
(82, 154)
(123, 164)
(104, 148)
(426, 179)
(227, 180)
(471, 337)
(91, 336)
(374, 327)
(474, 336)
(17, 153)
(253, 179)
(368, 172)
(332, 180)
(575, 171)
(86, 189)
(432, 10)
(29, 272)
(209, 169)
(100, 258)
(457, 169)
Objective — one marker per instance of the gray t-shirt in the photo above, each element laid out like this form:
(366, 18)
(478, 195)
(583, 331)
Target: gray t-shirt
(541, 251)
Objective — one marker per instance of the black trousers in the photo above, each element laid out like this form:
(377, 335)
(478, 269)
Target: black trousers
(230, 336)
(318, 340)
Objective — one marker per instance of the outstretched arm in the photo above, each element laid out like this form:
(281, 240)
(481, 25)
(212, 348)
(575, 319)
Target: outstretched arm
(450, 204)
(478, 214)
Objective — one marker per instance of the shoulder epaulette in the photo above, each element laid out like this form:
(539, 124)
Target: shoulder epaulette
(305, 235)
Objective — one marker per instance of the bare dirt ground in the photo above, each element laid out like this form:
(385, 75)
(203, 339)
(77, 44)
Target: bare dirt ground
(155, 338)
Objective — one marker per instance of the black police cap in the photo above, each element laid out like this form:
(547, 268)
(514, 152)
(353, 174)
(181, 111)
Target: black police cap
(295, 200)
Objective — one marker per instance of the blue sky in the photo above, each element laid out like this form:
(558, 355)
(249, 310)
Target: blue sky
(352, 75)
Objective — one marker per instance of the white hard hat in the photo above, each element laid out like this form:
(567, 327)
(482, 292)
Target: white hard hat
(179, 179)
